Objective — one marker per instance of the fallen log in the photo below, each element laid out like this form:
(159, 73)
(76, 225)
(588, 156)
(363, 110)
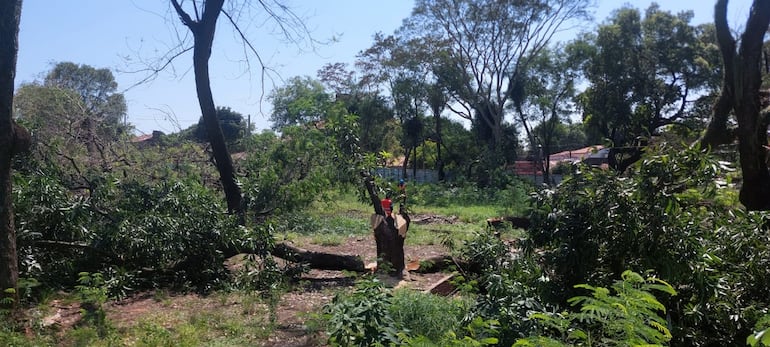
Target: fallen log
(319, 260)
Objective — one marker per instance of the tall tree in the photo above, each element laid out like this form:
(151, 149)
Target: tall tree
(11, 142)
(300, 101)
(741, 83)
(548, 91)
(437, 100)
(489, 44)
(203, 28)
(234, 127)
(644, 73)
(202, 24)
(103, 106)
(74, 106)
(399, 65)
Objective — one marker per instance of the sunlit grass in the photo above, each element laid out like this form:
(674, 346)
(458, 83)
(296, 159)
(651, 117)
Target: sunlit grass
(328, 239)
(436, 234)
(221, 319)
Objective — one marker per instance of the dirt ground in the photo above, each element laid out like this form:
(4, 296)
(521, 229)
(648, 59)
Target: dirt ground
(293, 306)
(314, 290)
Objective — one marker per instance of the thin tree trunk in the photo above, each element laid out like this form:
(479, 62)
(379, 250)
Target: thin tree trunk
(717, 132)
(405, 166)
(203, 32)
(439, 142)
(414, 162)
(10, 16)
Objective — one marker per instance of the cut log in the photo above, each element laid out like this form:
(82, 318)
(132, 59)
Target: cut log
(443, 287)
(319, 260)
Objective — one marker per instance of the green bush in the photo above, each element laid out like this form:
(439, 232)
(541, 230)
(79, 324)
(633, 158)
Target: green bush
(627, 317)
(361, 318)
(666, 214)
(135, 234)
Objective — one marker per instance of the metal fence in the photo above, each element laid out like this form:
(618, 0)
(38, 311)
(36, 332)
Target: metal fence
(397, 173)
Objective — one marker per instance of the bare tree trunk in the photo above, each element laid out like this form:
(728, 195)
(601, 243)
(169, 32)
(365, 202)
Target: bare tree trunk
(742, 80)
(414, 162)
(10, 15)
(319, 260)
(439, 142)
(405, 167)
(203, 32)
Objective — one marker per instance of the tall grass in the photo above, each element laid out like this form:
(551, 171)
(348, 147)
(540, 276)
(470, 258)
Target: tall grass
(427, 315)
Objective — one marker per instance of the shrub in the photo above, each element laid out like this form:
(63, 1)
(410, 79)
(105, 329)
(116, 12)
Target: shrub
(627, 317)
(361, 318)
(134, 233)
(665, 214)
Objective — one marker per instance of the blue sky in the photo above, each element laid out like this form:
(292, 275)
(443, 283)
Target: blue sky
(117, 34)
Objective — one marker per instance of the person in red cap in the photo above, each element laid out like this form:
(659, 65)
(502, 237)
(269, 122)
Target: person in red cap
(387, 205)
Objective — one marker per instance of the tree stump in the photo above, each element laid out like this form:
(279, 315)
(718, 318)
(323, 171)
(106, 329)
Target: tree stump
(389, 232)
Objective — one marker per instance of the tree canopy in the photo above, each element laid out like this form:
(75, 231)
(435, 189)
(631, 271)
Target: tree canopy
(644, 73)
(489, 43)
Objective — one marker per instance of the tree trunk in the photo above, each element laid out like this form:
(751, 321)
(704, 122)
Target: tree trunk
(414, 162)
(742, 80)
(405, 166)
(203, 33)
(439, 142)
(390, 245)
(319, 260)
(10, 15)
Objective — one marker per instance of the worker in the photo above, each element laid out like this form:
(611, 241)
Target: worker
(387, 205)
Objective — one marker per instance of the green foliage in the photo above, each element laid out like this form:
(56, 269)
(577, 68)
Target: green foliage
(301, 101)
(75, 113)
(92, 293)
(126, 228)
(378, 130)
(627, 317)
(427, 315)
(666, 214)
(761, 335)
(283, 175)
(629, 94)
(234, 128)
(596, 223)
(485, 252)
(361, 318)
(476, 334)
(373, 316)
(509, 294)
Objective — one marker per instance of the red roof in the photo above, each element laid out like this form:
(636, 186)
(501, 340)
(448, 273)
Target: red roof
(526, 167)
